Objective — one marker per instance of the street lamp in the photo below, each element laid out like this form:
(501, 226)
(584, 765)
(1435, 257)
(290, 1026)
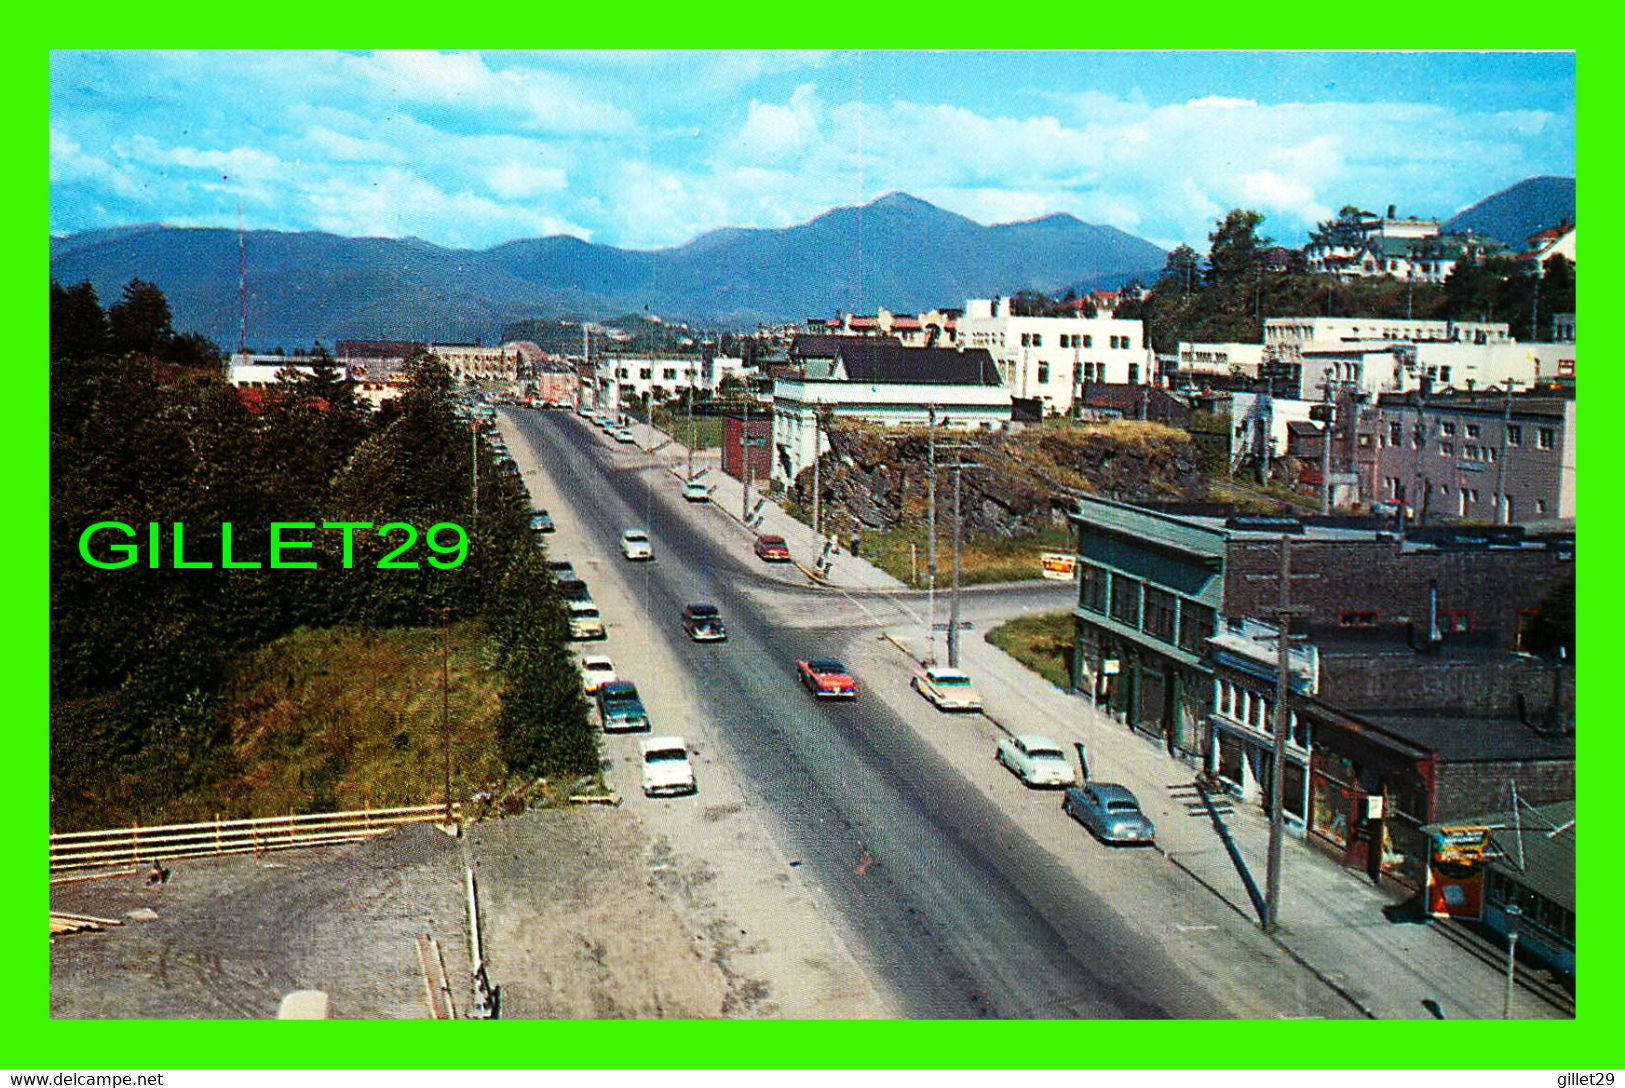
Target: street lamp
(1513, 913)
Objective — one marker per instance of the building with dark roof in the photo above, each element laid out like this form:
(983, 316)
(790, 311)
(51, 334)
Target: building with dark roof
(877, 380)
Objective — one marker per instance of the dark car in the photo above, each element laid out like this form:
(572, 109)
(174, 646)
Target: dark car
(703, 623)
(1110, 812)
(563, 570)
(772, 549)
(619, 708)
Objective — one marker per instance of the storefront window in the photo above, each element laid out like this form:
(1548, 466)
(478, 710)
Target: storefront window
(1092, 591)
(1159, 614)
(1126, 601)
(1195, 626)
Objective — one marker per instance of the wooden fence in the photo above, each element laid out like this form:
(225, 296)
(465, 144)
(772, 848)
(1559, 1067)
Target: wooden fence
(84, 849)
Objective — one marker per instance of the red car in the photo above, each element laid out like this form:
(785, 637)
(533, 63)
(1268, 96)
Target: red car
(827, 679)
(772, 549)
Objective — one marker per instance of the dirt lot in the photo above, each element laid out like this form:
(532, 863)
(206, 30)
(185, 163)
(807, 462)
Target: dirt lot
(586, 913)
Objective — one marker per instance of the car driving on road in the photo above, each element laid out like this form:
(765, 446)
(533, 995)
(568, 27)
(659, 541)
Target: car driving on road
(1036, 760)
(635, 545)
(827, 678)
(1110, 812)
(704, 623)
(619, 708)
(772, 549)
(666, 767)
(696, 491)
(947, 689)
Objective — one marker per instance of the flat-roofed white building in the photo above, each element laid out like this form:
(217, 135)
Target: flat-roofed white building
(1050, 358)
(1220, 360)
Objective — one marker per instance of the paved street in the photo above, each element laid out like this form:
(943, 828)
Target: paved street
(958, 892)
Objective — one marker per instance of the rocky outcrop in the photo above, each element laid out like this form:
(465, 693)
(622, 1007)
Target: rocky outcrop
(1027, 479)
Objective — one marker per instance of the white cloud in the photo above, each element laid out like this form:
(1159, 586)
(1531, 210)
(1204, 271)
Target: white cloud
(771, 131)
(517, 180)
(539, 99)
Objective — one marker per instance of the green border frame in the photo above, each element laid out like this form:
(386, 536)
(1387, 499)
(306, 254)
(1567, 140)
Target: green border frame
(38, 1042)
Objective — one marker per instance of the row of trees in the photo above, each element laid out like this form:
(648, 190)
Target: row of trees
(1243, 279)
(140, 433)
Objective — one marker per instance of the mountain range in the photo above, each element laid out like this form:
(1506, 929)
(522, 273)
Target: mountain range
(898, 251)
(1516, 212)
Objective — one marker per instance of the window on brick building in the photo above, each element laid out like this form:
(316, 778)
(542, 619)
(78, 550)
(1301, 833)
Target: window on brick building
(1514, 434)
(1395, 434)
(1447, 428)
(1357, 619)
(1455, 621)
(1547, 438)
(1195, 626)
(1472, 430)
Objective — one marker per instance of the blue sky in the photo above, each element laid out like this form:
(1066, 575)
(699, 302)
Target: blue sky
(645, 150)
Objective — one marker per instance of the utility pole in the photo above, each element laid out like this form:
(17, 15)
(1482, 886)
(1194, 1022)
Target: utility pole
(931, 534)
(1281, 727)
(689, 474)
(744, 469)
(817, 459)
(1326, 452)
(953, 601)
(1501, 512)
(474, 471)
(445, 699)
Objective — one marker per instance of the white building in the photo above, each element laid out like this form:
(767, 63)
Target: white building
(264, 371)
(1050, 358)
(883, 382)
(1401, 368)
(626, 379)
(476, 363)
(1220, 360)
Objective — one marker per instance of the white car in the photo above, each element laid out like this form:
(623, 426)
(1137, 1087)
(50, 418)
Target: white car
(1036, 760)
(635, 545)
(947, 689)
(666, 769)
(596, 670)
(696, 491)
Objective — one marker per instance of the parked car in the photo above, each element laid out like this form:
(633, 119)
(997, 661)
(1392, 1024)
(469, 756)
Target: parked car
(947, 689)
(704, 623)
(695, 491)
(585, 622)
(563, 570)
(619, 708)
(827, 679)
(1110, 812)
(1036, 760)
(574, 589)
(666, 768)
(596, 671)
(772, 549)
(541, 521)
(623, 435)
(635, 545)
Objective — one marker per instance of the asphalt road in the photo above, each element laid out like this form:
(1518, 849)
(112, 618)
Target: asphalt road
(943, 895)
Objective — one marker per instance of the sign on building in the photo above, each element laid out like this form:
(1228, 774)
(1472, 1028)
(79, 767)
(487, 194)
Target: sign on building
(1058, 566)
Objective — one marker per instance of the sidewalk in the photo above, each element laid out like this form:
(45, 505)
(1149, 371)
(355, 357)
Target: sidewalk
(727, 494)
(1333, 921)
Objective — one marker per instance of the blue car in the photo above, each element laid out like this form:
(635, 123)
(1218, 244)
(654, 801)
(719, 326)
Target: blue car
(1110, 812)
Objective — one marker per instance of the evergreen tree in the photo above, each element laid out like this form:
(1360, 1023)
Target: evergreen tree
(140, 321)
(78, 325)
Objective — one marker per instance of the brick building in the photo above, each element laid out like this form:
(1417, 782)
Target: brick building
(1153, 586)
(1451, 456)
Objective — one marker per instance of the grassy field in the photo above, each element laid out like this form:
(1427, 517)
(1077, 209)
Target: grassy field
(982, 559)
(341, 719)
(707, 429)
(1042, 643)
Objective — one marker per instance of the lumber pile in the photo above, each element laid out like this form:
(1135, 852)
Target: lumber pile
(62, 924)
